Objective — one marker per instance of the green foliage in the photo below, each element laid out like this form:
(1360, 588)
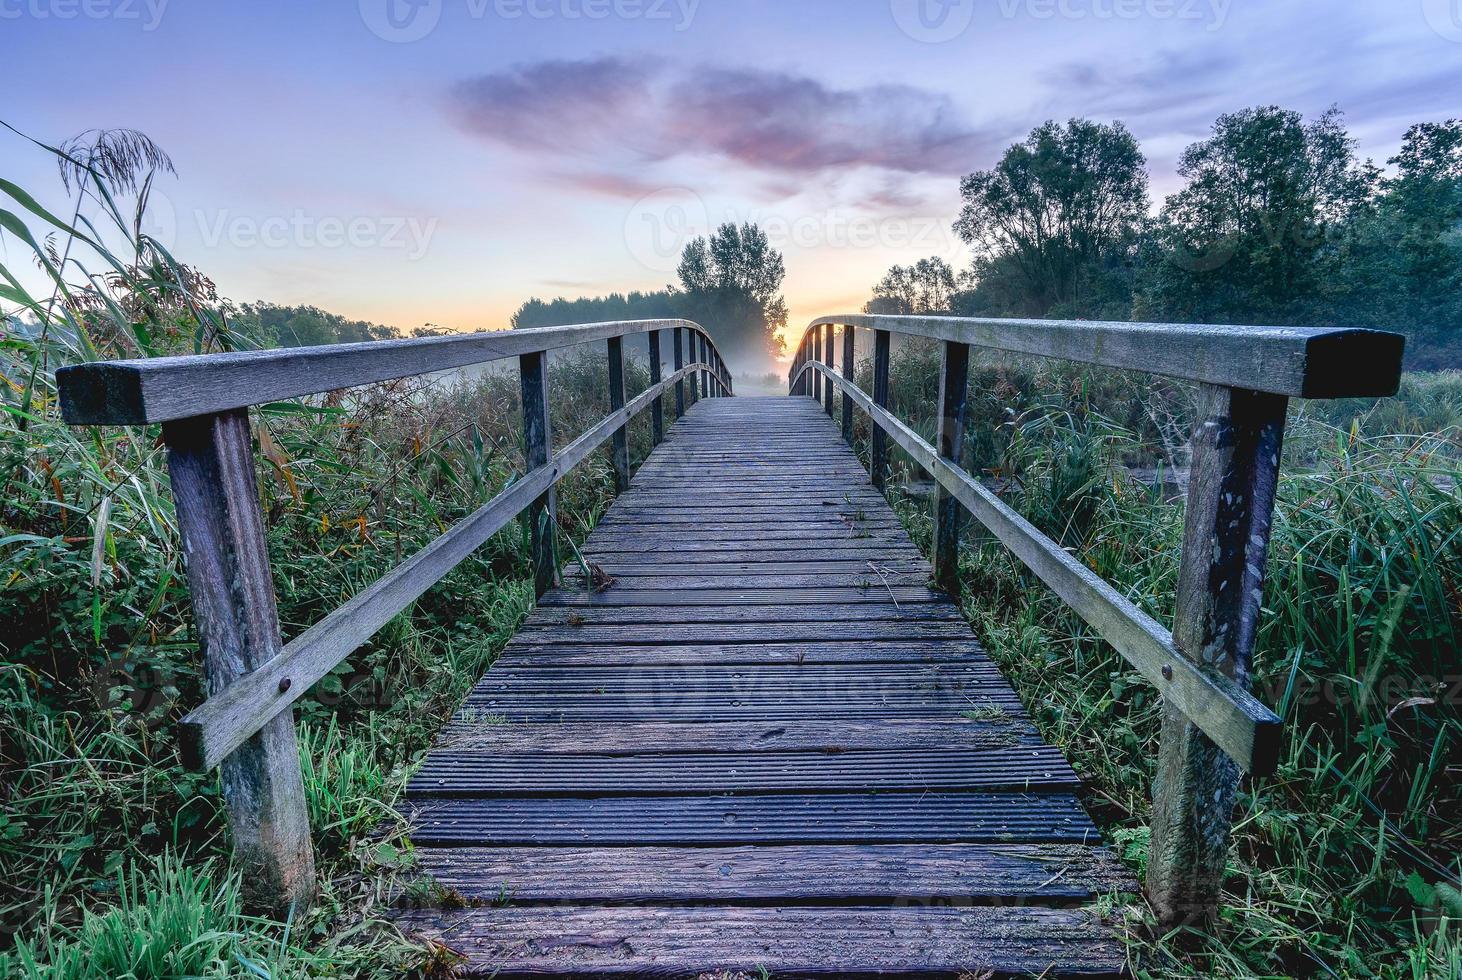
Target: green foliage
(305, 326)
(735, 276)
(730, 283)
(1055, 222)
(924, 287)
(1278, 223)
(98, 660)
(1253, 237)
(1345, 863)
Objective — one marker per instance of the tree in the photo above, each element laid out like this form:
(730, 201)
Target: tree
(1258, 234)
(306, 326)
(664, 303)
(732, 282)
(925, 287)
(1055, 223)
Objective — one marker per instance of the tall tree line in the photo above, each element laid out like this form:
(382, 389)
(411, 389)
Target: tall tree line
(1278, 222)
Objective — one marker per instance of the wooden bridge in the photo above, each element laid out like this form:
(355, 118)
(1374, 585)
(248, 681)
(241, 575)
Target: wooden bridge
(755, 741)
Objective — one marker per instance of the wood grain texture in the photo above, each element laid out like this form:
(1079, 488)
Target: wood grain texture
(542, 513)
(1231, 716)
(620, 449)
(1236, 451)
(1301, 362)
(220, 725)
(878, 440)
(927, 941)
(868, 873)
(768, 706)
(157, 389)
(211, 467)
(657, 407)
(949, 441)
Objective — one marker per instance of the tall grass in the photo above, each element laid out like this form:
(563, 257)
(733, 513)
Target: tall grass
(1345, 863)
(102, 832)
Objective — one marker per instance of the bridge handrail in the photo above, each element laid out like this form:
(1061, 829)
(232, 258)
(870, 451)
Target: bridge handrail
(202, 402)
(1302, 362)
(1212, 723)
(160, 389)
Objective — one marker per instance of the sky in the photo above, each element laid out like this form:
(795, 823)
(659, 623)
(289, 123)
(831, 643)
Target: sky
(440, 161)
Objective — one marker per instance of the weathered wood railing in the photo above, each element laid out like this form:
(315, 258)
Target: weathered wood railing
(1212, 725)
(245, 727)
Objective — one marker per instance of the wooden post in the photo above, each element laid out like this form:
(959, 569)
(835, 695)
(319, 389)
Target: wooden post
(705, 376)
(542, 515)
(657, 407)
(216, 492)
(953, 383)
(817, 356)
(878, 453)
(616, 402)
(1231, 487)
(678, 356)
(827, 395)
(690, 354)
(849, 338)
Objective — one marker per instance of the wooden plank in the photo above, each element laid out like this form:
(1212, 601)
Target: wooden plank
(707, 600)
(1298, 361)
(214, 487)
(1231, 716)
(1236, 450)
(746, 633)
(478, 774)
(473, 730)
(903, 650)
(157, 389)
(642, 614)
(966, 874)
(833, 818)
(924, 941)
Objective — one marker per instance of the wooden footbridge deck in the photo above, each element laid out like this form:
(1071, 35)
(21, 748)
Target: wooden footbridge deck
(756, 741)
(769, 744)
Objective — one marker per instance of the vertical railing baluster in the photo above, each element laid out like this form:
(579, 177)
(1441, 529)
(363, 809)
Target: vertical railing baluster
(849, 340)
(953, 386)
(542, 515)
(657, 407)
(1231, 487)
(705, 375)
(817, 356)
(620, 439)
(678, 356)
(216, 495)
(832, 360)
(878, 451)
(693, 379)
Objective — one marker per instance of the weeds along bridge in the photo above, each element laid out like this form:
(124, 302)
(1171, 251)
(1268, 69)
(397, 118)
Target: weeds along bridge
(767, 745)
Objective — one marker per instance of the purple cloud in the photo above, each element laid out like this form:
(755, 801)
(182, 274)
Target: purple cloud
(621, 113)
